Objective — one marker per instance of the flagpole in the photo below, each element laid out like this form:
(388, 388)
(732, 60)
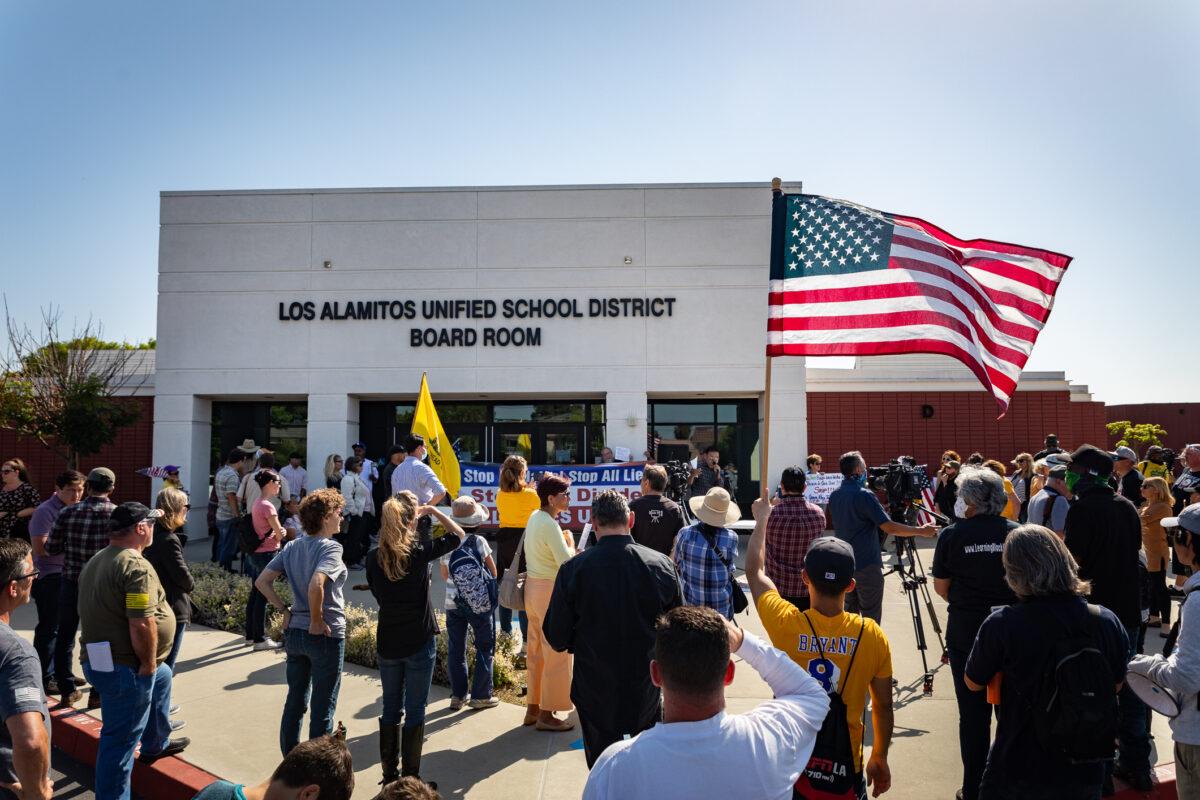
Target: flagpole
(776, 252)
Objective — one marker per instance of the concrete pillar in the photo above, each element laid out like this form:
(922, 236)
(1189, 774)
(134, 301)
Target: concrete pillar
(332, 428)
(183, 436)
(625, 422)
(789, 419)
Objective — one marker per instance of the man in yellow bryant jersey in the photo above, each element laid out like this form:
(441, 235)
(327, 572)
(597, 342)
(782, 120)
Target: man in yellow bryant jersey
(847, 653)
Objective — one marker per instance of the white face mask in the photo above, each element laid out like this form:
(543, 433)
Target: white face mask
(960, 508)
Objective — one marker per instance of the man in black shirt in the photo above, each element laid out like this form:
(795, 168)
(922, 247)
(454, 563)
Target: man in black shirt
(1104, 534)
(1050, 449)
(968, 572)
(708, 474)
(1189, 479)
(603, 609)
(1125, 477)
(656, 519)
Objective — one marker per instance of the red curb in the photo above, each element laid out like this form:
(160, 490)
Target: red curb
(77, 734)
(1163, 776)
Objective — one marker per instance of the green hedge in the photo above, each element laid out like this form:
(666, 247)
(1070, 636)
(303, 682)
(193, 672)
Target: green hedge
(219, 599)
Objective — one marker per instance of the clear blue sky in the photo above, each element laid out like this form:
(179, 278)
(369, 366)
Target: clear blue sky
(1065, 125)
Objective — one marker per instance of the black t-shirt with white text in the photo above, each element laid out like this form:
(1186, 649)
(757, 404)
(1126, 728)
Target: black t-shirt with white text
(1182, 489)
(656, 520)
(968, 553)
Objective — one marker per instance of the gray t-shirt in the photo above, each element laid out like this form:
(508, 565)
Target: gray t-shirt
(299, 560)
(20, 692)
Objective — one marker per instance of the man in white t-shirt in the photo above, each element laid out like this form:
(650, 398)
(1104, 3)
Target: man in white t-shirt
(699, 750)
(296, 476)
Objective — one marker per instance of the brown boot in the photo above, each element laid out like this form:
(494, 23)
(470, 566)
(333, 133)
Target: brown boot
(531, 714)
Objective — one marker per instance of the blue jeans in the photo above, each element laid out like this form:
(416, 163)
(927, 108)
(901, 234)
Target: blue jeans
(406, 684)
(135, 708)
(227, 545)
(484, 628)
(314, 668)
(173, 656)
(506, 615)
(256, 602)
(45, 595)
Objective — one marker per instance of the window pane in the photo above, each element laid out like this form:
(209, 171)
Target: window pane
(512, 413)
(727, 412)
(289, 430)
(462, 412)
(468, 447)
(514, 444)
(682, 412)
(404, 414)
(598, 412)
(558, 412)
(562, 448)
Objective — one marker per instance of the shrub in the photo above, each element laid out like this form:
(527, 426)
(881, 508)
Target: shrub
(219, 601)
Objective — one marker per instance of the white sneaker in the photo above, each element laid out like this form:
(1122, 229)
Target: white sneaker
(176, 724)
(455, 703)
(483, 702)
(266, 644)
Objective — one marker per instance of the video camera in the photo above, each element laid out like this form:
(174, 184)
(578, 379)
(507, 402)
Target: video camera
(900, 479)
(678, 475)
(1168, 457)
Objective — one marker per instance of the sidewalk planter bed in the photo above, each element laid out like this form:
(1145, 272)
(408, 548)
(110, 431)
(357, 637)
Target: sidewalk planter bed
(219, 601)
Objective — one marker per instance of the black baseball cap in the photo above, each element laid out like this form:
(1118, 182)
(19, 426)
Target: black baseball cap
(830, 563)
(1091, 459)
(129, 514)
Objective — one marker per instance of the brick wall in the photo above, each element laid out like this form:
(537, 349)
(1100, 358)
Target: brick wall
(886, 424)
(131, 451)
(1182, 420)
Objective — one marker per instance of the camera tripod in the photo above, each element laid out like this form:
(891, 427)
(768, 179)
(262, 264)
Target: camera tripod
(914, 582)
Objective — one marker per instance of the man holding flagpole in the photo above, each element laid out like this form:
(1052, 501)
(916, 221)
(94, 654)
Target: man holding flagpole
(431, 482)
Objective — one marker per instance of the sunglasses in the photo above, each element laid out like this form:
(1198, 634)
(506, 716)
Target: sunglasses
(7, 469)
(33, 574)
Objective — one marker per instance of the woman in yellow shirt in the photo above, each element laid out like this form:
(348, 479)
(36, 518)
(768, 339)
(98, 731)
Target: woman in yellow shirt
(546, 548)
(1013, 509)
(1154, 541)
(515, 502)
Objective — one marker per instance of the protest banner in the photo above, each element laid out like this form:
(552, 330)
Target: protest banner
(817, 488)
(482, 482)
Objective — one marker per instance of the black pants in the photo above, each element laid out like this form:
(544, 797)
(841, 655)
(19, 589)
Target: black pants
(352, 539)
(974, 723)
(45, 596)
(1160, 601)
(68, 626)
(799, 601)
(596, 738)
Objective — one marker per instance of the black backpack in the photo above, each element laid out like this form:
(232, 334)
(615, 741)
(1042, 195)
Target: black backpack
(829, 773)
(1075, 710)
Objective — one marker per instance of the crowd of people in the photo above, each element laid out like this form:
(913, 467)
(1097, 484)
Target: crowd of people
(1054, 575)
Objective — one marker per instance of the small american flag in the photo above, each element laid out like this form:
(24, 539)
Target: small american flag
(926, 502)
(849, 280)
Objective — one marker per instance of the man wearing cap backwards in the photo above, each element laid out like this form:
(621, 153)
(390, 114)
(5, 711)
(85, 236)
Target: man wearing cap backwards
(1048, 507)
(1180, 673)
(603, 609)
(79, 532)
(127, 631)
(1126, 478)
(845, 652)
(1104, 534)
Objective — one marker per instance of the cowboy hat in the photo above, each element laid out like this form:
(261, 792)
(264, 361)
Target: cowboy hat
(715, 508)
(248, 446)
(468, 513)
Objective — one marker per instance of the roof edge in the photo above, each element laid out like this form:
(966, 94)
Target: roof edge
(517, 188)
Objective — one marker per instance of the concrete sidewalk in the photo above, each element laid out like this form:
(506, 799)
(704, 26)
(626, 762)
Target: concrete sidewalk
(232, 699)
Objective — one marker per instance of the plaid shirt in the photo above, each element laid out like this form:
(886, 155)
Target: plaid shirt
(792, 526)
(80, 532)
(705, 579)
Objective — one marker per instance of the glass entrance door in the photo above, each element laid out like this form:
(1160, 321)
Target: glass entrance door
(561, 444)
(513, 439)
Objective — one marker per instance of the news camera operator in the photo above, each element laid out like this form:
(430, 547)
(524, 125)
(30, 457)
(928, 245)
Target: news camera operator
(858, 517)
(968, 572)
(1180, 672)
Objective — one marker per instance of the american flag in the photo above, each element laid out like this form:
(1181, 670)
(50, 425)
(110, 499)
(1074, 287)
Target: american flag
(849, 280)
(923, 516)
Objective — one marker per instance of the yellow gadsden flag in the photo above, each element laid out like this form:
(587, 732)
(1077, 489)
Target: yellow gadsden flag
(442, 459)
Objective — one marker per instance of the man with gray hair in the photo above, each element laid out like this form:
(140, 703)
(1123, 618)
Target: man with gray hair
(604, 607)
(858, 518)
(968, 572)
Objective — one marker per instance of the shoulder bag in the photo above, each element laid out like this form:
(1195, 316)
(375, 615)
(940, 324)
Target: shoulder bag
(512, 585)
(736, 594)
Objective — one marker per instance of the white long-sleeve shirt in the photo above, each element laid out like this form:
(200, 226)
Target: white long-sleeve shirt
(1181, 672)
(356, 494)
(753, 756)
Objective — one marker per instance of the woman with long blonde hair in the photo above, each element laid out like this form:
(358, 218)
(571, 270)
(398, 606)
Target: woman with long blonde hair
(333, 471)
(515, 503)
(1154, 541)
(165, 554)
(398, 576)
